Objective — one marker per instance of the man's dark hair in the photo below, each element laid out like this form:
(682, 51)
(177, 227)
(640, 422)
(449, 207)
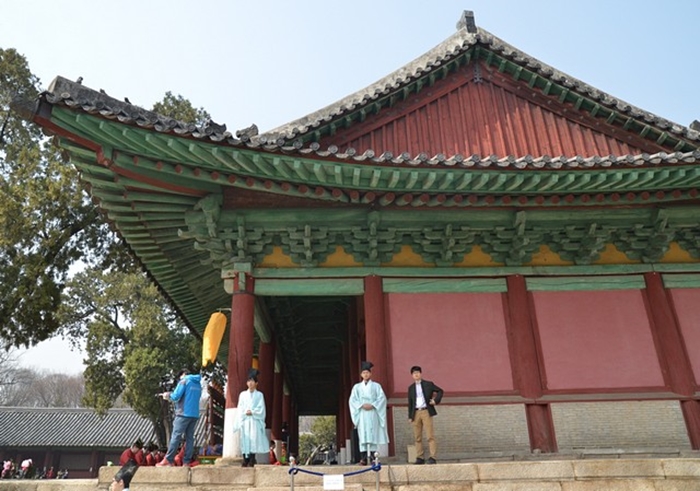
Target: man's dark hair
(416, 368)
(126, 473)
(182, 372)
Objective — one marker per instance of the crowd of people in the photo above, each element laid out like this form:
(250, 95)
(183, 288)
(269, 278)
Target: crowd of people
(367, 408)
(368, 405)
(151, 455)
(27, 470)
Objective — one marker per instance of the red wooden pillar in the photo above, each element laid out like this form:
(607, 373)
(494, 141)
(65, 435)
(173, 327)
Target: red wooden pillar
(286, 417)
(526, 370)
(351, 366)
(691, 414)
(276, 422)
(240, 353)
(340, 420)
(267, 375)
(673, 357)
(376, 341)
(375, 331)
(675, 364)
(286, 408)
(354, 350)
(343, 423)
(294, 432)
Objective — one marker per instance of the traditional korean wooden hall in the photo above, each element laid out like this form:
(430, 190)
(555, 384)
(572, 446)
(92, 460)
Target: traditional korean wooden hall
(530, 241)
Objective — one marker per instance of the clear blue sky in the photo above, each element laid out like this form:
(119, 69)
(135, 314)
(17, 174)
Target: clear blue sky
(269, 62)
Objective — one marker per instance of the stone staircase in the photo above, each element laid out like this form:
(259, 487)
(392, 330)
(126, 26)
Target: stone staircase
(616, 474)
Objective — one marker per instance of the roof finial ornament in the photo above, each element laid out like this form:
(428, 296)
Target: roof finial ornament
(467, 21)
(248, 132)
(695, 125)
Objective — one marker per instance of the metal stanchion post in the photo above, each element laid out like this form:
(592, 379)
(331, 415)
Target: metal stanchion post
(376, 474)
(292, 464)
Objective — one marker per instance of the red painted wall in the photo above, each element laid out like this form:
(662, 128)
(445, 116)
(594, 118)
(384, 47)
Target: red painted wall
(459, 339)
(596, 340)
(687, 304)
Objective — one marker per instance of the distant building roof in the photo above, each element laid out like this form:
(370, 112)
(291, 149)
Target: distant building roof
(75, 427)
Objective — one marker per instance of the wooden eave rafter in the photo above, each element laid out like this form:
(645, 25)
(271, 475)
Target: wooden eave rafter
(154, 162)
(149, 218)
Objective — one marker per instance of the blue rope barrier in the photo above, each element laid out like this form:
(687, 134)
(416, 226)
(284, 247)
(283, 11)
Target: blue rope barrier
(376, 467)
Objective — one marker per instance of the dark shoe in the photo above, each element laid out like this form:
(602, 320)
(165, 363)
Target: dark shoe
(419, 461)
(244, 464)
(363, 462)
(432, 461)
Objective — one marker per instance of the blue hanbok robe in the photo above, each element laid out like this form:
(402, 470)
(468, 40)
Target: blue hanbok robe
(370, 424)
(252, 427)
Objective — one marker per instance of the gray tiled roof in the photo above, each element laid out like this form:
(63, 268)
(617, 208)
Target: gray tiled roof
(72, 427)
(285, 138)
(77, 96)
(467, 37)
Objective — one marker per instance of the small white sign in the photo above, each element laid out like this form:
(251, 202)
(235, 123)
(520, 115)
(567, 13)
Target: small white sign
(334, 481)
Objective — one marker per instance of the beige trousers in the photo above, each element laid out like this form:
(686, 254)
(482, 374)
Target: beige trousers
(420, 420)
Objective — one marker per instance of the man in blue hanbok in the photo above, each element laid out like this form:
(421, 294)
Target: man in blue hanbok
(368, 413)
(251, 420)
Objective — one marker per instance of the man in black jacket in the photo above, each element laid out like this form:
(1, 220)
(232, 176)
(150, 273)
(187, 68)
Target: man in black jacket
(423, 396)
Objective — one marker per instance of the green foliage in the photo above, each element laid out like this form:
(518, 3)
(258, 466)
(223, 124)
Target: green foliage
(322, 434)
(306, 447)
(132, 340)
(177, 107)
(48, 223)
(50, 229)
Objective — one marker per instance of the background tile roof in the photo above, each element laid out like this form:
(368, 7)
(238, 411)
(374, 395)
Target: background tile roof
(75, 427)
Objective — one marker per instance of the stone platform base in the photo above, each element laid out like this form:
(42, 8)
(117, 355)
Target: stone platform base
(623, 474)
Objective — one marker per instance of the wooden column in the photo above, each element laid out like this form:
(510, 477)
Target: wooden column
(240, 354)
(267, 375)
(351, 367)
(673, 358)
(675, 365)
(354, 350)
(286, 408)
(376, 342)
(344, 425)
(294, 432)
(540, 427)
(526, 369)
(691, 415)
(375, 331)
(276, 422)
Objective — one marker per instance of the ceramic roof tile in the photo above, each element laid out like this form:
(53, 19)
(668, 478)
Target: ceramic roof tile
(74, 427)
(284, 139)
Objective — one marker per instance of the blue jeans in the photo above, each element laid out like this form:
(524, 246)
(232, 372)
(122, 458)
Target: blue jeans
(182, 426)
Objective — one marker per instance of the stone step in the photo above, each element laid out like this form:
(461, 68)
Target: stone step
(348, 487)
(650, 474)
